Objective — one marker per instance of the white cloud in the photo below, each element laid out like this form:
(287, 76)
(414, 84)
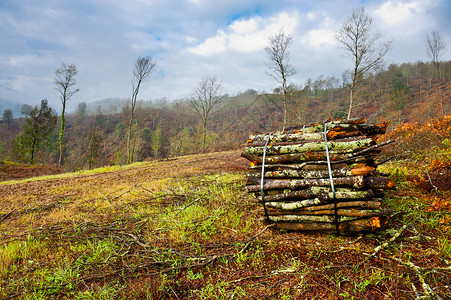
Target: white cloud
(246, 35)
(396, 12)
(320, 37)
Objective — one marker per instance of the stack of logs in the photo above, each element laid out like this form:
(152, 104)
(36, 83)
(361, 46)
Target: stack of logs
(297, 194)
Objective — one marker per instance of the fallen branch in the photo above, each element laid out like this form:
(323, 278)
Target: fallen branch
(384, 245)
(430, 294)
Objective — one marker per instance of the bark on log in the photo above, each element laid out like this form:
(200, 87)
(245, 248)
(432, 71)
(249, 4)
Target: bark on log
(355, 226)
(313, 174)
(334, 147)
(303, 166)
(323, 194)
(313, 128)
(295, 205)
(369, 129)
(309, 218)
(349, 204)
(354, 181)
(359, 213)
(315, 156)
(306, 138)
(380, 183)
(295, 157)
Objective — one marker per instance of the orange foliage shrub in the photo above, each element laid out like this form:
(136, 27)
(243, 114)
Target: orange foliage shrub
(422, 142)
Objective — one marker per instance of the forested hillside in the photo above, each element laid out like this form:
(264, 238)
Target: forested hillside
(400, 93)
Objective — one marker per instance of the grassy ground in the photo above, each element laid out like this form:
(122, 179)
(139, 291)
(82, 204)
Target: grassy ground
(185, 229)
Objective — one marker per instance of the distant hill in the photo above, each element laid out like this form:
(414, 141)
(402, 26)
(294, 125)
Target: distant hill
(13, 106)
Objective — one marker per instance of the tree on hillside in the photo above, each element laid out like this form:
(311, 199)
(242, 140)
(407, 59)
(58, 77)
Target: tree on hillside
(94, 140)
(7, 117)
(25, 110)
(207, 96)
(278, 64)
(82, 109)
(38, 126)
(364, 47)
(156, 139)
(144, 66)
(64, 84)
(435, 47)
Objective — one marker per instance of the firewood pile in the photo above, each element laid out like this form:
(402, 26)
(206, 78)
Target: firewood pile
(321, 177)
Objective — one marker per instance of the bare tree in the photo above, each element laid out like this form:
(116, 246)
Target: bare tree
(278, 64)
(206, 97)
(144, 66)
(363, 46)
(64, 84)
(435, 46)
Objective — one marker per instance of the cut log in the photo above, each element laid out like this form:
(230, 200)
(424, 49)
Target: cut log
(362, 169)
(296, 157)
(294, 205)
(302, 166)
(304, 139)
(309, 218)
(359, 213)
(314, 156)
(348, 204)
(312, 174)
(293, 182)
(355, 226)
(380, 183)
(337, 126)
(322, 193)
(334, 147)
(308, 206)
(354, 181)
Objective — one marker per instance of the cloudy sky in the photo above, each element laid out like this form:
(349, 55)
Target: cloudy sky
(189, 40)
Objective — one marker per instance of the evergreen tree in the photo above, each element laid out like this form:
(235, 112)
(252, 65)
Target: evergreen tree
(37, 127)
(8, 117)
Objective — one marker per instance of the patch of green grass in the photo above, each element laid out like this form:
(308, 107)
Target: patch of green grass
(107, 291)
(444, 245)
(219, 290)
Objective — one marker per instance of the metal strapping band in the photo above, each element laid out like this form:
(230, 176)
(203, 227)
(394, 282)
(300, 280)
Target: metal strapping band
(331, 179)
(262, 192)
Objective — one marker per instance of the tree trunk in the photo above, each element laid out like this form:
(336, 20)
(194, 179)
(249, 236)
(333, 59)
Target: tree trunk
(351, 100)
(63, 122)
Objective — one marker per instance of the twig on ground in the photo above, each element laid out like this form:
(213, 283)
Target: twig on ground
(430, 294)
(255, 236)
(384, 245)
(185, 207)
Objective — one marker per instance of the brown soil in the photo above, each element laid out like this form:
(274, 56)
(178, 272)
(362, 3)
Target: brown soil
(437, 178)
(14, 171)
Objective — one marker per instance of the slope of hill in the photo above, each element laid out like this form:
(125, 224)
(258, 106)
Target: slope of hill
(400, 94)
(185, 229)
